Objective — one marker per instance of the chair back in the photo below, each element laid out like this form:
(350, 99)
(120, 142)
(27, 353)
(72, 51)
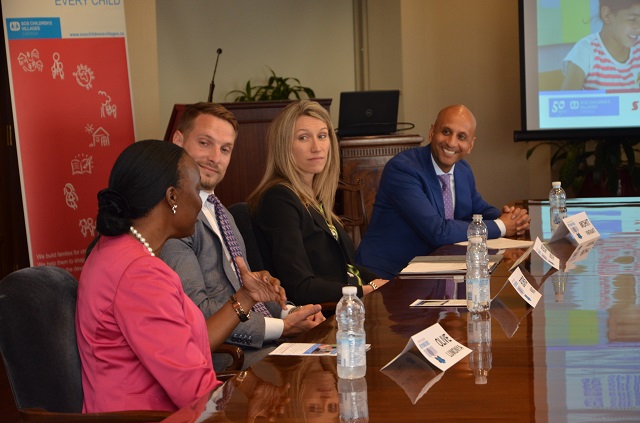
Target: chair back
(354, 219)
(242, 216)
(38, 338)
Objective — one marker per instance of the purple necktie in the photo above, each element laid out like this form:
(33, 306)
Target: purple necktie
(447, 196)
(449, 289)
(232, 245)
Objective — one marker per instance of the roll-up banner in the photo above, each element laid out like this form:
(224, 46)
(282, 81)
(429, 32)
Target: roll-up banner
(72, 114)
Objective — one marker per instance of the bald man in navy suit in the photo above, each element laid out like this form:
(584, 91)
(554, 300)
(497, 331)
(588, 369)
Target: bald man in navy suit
(409, 216)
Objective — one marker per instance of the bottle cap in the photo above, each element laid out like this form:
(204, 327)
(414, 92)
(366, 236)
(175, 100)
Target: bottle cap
(477, 217)
(349, 290)
(556, 184)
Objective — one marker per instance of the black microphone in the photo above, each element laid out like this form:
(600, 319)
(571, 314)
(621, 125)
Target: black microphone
(212, 85)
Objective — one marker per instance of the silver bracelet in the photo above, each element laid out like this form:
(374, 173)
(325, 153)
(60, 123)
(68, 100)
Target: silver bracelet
(373, 285)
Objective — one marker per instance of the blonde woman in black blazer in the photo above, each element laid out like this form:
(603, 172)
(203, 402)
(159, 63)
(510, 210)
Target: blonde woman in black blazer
(302, 241)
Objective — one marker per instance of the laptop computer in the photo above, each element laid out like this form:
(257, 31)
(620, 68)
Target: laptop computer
(368, 113)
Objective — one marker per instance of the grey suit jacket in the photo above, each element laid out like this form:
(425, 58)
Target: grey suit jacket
(209, 279)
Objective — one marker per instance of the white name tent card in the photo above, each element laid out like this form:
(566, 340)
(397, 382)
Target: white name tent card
(579, 226)
(437, 346)
(563, 254)
(519, 281)
(546, 254)
(523, 257)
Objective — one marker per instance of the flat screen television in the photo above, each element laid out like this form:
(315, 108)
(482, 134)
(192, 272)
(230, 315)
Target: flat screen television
(551, 110)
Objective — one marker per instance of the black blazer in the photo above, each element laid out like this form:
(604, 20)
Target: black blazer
(298, 248)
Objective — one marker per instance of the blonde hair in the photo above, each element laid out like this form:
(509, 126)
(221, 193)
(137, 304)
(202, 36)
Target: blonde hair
(281, 166)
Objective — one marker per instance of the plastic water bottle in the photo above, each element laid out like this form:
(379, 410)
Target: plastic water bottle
(477, 228)
(479, 339)
(354, 407)
(557, 205)
(477, 278)
(350, 337)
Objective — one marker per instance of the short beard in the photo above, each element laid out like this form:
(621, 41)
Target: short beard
(207, 187)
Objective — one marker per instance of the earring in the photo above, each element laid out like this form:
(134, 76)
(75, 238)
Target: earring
(173, 208)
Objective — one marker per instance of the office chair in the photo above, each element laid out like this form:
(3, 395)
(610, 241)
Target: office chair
(356, 221)
(39, 349)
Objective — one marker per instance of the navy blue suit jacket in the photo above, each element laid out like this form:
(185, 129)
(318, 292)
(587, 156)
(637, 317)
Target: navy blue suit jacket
(408, 214)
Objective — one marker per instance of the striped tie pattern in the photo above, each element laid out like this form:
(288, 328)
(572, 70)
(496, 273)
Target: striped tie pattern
(232, 245)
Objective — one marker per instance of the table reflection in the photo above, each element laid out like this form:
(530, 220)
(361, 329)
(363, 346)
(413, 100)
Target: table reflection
(588, 323)
(575, 357)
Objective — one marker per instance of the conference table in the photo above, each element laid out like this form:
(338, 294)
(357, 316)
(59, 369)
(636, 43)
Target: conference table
(574, 357)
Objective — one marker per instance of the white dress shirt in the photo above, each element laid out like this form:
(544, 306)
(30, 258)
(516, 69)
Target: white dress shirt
(452, 182)
(273, 326)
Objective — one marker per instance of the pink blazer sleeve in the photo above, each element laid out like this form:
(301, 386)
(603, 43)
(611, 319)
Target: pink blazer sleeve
(165, 330)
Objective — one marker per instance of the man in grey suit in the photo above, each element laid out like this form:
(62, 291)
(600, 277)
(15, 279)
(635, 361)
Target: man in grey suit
(208, 131)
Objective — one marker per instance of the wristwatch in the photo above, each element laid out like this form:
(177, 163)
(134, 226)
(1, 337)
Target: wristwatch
(238, 309)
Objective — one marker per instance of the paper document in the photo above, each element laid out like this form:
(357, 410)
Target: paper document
(288, 348)
(503, 243)
(439, 303)
(446, 265)
(445, 268)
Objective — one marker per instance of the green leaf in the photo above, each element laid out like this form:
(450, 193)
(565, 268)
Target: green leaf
(277, 88)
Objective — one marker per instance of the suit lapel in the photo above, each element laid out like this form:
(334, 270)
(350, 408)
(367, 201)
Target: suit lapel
(434, 183)
(464, 198)
(319, 219)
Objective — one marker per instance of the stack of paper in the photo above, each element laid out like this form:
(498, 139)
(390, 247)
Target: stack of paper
(288, 348)
(503, 243)
(446, 265)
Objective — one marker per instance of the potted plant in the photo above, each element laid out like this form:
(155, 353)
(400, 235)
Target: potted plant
(596, 168)
(277, 88)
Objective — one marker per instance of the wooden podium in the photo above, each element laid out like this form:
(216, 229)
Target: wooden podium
(249, 157)
(364, 158)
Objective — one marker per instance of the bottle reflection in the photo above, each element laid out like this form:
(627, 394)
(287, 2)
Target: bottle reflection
(559, 280)
(479, 339)
(354, 407)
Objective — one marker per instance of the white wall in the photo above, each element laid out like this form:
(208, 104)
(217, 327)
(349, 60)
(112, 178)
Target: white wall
(467, 51)
(142, 48)
(311, 41)
(437, 52)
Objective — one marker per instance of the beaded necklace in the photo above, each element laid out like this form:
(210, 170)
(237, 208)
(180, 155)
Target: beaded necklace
(140, 238)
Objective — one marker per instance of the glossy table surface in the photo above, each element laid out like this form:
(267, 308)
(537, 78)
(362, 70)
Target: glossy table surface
(575, 357)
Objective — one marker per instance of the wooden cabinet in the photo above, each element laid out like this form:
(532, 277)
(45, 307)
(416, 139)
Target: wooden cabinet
(364, 158)
(249, 157)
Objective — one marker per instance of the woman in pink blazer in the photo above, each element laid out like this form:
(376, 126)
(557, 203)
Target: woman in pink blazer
(144, 345)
